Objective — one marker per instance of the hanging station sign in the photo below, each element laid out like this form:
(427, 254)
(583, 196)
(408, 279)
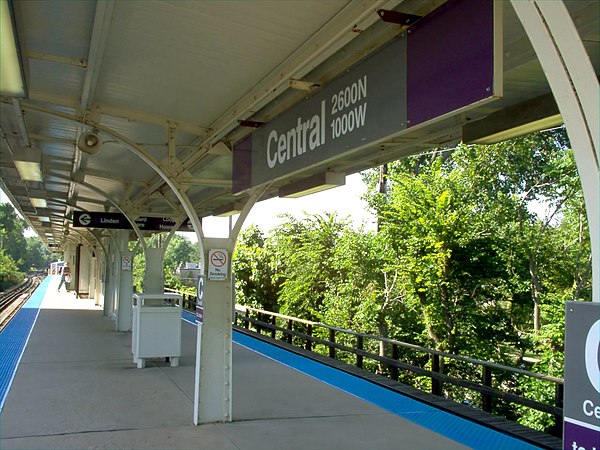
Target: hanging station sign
(416, 78)
(119, 221)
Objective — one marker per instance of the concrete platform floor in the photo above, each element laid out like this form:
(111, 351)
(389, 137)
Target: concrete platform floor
(77, 387)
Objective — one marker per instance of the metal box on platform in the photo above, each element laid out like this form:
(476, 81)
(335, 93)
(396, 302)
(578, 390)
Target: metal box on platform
(156, 328)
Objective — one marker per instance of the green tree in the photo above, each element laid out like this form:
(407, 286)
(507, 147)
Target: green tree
(256, 284)
(12, 239)
(9, 272)
(305, 252)
(38, 256)
(179, 251)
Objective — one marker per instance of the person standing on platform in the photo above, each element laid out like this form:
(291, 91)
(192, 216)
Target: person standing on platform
(65, 277)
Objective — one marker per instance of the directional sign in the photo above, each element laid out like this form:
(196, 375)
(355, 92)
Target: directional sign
(120, 222)
(218, 264)
(85, 219)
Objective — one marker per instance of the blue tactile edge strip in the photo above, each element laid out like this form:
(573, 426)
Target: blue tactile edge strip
(14, 338)
(460, 430)
(453, 427)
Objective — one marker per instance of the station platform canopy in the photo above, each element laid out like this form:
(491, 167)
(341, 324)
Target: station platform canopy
(126, 107)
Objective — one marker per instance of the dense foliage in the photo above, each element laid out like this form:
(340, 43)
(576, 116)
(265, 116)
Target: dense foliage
(477, 250)
(18, 254)
(178, 251)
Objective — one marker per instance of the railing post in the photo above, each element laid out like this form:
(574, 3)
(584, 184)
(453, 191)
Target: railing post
(394, 369)
(332, 340)
(289, 327)
(486, 379)
(258, 326)
(273, 322)
(359, 346)
(559, 403)
(247, 315)
(308, 341)
(436, 385)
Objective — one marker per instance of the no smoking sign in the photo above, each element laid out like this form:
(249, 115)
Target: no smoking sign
(218, 263)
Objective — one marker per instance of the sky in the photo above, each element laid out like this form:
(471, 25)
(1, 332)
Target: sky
(345, 200)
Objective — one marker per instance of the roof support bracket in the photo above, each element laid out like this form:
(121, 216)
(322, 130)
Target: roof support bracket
(397, 17)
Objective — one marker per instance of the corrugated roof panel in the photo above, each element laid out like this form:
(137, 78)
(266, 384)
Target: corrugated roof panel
(195, 59)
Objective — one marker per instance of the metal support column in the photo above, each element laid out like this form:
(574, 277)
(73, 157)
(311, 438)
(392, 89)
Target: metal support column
(214, 377)
(575, 87)
(123, 265)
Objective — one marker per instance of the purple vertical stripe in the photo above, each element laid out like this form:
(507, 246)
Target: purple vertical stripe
(450, 59)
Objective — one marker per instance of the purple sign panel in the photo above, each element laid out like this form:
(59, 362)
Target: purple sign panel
(580, 437)
(444, 63)
(450, 59)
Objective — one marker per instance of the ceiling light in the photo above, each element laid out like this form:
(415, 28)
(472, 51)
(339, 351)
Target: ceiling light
(11, 75)
(38, 198)
(38, 202)
(28, 164)
(310, 185)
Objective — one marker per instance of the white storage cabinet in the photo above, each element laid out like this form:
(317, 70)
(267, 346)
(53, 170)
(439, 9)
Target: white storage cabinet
(156, 328)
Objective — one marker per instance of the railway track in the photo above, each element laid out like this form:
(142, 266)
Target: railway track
(11, 301)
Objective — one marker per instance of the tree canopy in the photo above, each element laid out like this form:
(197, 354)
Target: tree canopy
(18, 254)
(477, 250)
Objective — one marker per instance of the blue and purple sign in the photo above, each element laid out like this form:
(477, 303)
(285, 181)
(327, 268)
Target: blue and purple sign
(582, 377)
(446, 62)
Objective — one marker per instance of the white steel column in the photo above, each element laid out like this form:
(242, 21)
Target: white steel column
(213, 382)
(575, 87)
(124, 283)
(154, 272)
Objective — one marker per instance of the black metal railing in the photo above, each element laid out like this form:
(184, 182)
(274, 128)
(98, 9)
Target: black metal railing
(351, 346)
(309, 335)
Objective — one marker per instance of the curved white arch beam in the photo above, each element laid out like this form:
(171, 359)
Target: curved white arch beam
(575, 87)
(114, 203)
(145, 156)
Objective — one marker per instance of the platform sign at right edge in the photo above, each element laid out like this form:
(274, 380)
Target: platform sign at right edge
(582, 377)
(200, 299)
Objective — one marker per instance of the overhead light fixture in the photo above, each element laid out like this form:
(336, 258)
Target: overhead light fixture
(29, 164)
(89, 142)
(537, 114)
(38, 198)
(11, 71)
(311, 185)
